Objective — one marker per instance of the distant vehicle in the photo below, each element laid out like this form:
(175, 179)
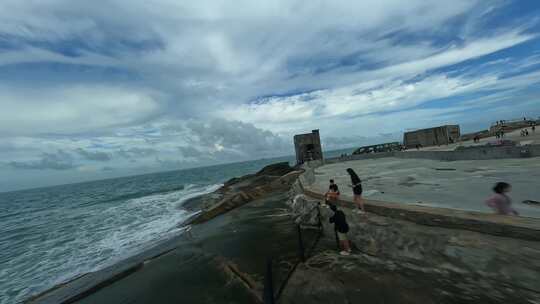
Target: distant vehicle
(386, 147)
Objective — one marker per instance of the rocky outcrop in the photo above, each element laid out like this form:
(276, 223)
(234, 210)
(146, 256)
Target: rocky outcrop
(239, 191)
(258, 179)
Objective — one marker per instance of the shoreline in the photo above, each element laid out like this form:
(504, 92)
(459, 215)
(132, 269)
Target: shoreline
(250, 187)
(85, 284)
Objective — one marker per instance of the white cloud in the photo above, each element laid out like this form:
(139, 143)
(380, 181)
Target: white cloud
(158, 83)
(453, 55)
(388, 89)
(72, 109)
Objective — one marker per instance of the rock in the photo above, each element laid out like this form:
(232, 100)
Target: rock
(241, 190)
(268, 172)
(277, 169)
(201, 202)
(236, 180)
(286, 180)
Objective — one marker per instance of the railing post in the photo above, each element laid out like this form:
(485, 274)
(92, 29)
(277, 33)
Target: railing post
(337, 240)
(268, 293)
(301, 245)
(319, 218)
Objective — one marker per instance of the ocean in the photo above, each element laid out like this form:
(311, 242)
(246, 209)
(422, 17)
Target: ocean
(54, 234)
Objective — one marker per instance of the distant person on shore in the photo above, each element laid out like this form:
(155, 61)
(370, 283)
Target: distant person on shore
(356, 185)
(332, 194)
(500, 202)
(342, 228)
(533, 128)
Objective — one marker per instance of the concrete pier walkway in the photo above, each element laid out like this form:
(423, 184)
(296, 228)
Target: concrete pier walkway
(412, 253)
(462, 185)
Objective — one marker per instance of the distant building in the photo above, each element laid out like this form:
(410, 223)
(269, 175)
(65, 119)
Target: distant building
(386, 147)
(308, 147)
(442, 135)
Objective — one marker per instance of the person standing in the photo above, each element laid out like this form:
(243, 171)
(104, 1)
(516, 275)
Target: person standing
(332, 194)
(356, 185)
(342, 228)
(500, 202)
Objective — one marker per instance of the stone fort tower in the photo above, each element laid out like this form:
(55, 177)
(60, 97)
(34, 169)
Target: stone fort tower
(308, 147)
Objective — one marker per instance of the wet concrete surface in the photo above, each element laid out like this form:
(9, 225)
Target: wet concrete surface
(399, 261)
(194, 272)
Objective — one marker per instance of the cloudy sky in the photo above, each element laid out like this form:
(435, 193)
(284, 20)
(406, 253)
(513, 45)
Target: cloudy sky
(100, 89)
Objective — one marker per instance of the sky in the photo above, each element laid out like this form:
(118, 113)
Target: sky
(92, 90)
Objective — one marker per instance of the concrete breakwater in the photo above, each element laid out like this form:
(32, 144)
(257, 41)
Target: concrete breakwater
(411, 254)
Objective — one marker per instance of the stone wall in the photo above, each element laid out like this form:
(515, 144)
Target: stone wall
(477, 264)
(431, 136)
(308, 147)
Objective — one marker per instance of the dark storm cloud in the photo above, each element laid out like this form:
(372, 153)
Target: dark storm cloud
(94, 156)
(60, 160)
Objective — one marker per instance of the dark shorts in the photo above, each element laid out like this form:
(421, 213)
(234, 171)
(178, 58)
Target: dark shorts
(357, 190)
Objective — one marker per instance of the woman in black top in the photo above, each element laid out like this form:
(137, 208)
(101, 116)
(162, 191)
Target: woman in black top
(356, 184)
(341, 227)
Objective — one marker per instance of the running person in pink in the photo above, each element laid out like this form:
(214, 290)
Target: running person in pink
(500, 202)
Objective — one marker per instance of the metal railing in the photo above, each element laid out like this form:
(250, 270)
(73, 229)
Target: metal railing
(270, 295)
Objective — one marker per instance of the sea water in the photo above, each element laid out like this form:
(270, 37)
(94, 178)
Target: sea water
(51, 235)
